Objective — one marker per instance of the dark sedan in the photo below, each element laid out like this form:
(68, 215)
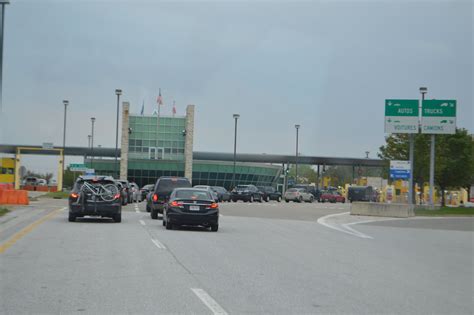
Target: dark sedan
(190, 206)
(247, 193)
(222, 193)
(145, 190)
(270, 193)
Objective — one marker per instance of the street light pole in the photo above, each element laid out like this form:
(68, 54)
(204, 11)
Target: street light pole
(236, 117)
(2, 24)
(423, 91)
(92, 142)
(118, 92)
(296, 160)
(66, 103)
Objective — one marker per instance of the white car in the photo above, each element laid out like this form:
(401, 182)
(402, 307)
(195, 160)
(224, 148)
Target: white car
(298, 195)
(136, 194)
(210, 190)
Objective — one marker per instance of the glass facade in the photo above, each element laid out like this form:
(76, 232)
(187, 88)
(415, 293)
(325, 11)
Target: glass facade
(157, 149)
(150, 140)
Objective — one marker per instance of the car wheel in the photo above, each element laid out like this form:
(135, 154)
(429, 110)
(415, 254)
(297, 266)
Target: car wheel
(344, 201)
(118, 217)
(147, 208)
(164, 221)
(268, 199)
(214, 228)
(300, 200)
(169, 226)
(286, 200)
(311, 200)
(72, 217)
(279, 199)
(154, 214)
(251, 198)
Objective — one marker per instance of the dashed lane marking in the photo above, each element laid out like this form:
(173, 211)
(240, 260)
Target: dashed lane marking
(158, 244)
(142, 222)
(215, 308)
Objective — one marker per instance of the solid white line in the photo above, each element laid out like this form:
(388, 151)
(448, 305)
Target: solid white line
(158, 244)
(341, 228)
(142, 222)
(209, 301)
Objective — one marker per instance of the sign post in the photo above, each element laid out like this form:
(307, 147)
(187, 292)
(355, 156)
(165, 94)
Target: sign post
(437, 117)
(402, 116)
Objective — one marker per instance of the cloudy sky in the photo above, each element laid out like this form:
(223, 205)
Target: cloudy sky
(326, 65)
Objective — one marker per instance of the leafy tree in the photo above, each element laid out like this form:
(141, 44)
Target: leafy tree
(454, 165)
(306, 174)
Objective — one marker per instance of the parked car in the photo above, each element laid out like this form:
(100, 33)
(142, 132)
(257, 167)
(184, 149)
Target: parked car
(145, 191)
(135, 192)
(360, 193)
(222, 193)
(95, 196)
(298, 195)
(247, 193)
(311, 189)
(270, 193)
(41, 182)
(163, 188)
(191, 206)
(210, 190)
(30, 181)
(128, 189)
(123, 193)
(332, 196)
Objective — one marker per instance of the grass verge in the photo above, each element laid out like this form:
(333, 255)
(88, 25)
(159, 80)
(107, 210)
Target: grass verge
(3, 211)
(445, 212)
(56, 195)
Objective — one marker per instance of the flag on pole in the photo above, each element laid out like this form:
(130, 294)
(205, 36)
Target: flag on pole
(143, 108)
(159, 100)
(174, 108)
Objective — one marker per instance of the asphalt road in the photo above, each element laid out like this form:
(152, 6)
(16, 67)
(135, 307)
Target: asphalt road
(266, 258)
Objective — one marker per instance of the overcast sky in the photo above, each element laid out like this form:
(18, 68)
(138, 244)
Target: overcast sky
(325, 65)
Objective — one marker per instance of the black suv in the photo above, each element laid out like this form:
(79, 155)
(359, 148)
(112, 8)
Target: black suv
(163, 188)
(270, 193)
(95, 196)
(248, 193)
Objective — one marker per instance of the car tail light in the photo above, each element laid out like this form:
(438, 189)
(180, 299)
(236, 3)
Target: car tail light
(117, 196)
(214, 205)
(155, 197)
(176, 204)
(74, 195)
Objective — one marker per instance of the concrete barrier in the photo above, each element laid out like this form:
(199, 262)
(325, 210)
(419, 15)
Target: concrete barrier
(395, 210)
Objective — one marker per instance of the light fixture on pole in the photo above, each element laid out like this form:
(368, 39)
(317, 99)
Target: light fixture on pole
(118, 92)
(66, 103)
(236, 117)
(296, 157)
(92, 141)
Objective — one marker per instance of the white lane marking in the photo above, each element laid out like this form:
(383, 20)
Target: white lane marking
(137, 211)
(209, 301)
(142, 222)
(344, 228)
(220, 215)
(158, 244)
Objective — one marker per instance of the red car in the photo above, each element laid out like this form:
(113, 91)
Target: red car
(332, 196)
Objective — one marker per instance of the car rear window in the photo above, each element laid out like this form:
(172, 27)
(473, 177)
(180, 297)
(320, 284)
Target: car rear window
(167, 185)
(192, 194)
(292, 190)
(242, 187)
(78, 184)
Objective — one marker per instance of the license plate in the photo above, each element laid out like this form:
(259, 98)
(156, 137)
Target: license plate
(194, 208)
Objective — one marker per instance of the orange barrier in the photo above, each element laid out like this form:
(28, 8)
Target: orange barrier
(14, 197)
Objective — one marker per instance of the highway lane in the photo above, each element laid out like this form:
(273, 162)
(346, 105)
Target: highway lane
(267, 258)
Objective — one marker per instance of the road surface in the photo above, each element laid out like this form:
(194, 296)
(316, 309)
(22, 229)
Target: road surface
(267, 258)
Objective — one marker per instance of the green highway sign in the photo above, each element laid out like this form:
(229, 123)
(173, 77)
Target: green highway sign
(438, 117)
(401, 116)
(77, 167)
